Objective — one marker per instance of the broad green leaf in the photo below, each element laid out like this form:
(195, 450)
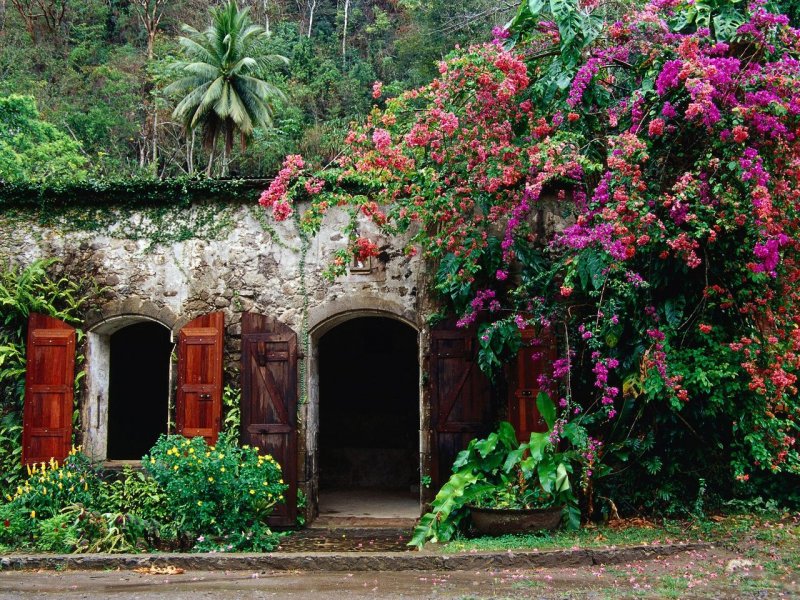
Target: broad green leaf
(562, 479)
(547, 476)
(673, 310)
(547, 409)
(535, 6)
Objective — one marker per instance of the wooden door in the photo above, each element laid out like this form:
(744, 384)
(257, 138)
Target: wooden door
(534, 358)
(461, 406)
(49, 390)
(269, 400)
(198, 410)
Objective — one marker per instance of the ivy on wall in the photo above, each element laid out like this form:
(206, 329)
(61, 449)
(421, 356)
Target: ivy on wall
(159, 211)
(130, 193)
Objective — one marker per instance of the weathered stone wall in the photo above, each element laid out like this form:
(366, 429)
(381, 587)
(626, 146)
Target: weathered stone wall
(251, 265)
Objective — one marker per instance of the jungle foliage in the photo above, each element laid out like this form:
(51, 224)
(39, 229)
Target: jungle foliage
(97, 71)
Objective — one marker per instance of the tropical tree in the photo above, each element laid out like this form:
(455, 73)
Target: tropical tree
(222, 80)
(32, 149)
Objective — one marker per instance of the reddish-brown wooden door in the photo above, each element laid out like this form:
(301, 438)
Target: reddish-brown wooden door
(198, 410)
(461, 407)
(49, 388)
(269, 400)
(534, 358)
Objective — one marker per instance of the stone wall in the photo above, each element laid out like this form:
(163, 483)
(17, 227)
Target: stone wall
(251, 265)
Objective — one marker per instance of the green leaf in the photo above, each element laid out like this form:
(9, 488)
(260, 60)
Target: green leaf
(535, 6)
(562, 479)
(547, 409)
(547, 476)
(673, 310)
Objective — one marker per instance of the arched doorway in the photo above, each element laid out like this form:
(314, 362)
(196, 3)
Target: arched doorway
(369, 419)
(138, 389)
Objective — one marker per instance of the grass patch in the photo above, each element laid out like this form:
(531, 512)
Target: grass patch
(775, 538)
(587, 537)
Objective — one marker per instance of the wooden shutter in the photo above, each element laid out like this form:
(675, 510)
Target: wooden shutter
(49, 389)
(534, 358)
(269, 400)
(461, 407)
(199, 405)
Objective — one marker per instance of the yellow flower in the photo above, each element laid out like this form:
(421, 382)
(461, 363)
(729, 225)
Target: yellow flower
(153, 459)
(191, 450)
(211, 479)
(221, 455)
(222, 469)
(199, 503)
(252, 492)
(33, 514)
(175, 468)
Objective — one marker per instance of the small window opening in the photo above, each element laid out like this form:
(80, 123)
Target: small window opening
(138, 394)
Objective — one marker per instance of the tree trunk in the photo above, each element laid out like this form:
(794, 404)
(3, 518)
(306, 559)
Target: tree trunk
(224, 170)
(154, 157)
(211, 157)
(344, 34)
(265, 3)
(312, 5)
(190, 153)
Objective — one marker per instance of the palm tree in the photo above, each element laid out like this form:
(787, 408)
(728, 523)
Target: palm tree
(221, 82)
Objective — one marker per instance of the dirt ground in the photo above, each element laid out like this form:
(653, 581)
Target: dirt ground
(713, 573)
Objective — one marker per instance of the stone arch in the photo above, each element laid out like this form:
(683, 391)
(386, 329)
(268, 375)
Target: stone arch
(322, 319)
(118, 313)
(101, 326)
(328, 315)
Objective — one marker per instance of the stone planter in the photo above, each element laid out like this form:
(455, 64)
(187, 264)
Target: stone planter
(500, 521)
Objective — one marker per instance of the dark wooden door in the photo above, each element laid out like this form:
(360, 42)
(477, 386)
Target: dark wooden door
(534, 358)
(461, 406)
(49, 390)
(198, 410)
(269, 400)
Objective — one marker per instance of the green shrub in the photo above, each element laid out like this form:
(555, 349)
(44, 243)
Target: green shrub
(52, 487)
(134, 492)
(217, 491)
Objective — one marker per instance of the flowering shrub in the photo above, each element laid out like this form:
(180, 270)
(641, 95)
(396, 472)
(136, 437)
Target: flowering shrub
(58, 509)
(52, 486)
(217, 491)
(670, 139)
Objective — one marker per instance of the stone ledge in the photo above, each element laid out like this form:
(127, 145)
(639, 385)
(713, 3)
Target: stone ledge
(351, 561)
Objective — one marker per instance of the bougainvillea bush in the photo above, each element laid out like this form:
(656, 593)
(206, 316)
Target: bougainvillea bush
(667, 141)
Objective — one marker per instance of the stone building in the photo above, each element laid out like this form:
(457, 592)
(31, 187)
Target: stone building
(342, 381)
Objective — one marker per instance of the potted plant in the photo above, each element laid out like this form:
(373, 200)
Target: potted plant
(505, 486)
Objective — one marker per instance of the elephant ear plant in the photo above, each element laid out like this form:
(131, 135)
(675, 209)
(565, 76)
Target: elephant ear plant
(499, 472)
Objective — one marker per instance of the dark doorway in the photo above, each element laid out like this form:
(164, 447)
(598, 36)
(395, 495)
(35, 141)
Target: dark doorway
(138, 389)
(369, 406)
